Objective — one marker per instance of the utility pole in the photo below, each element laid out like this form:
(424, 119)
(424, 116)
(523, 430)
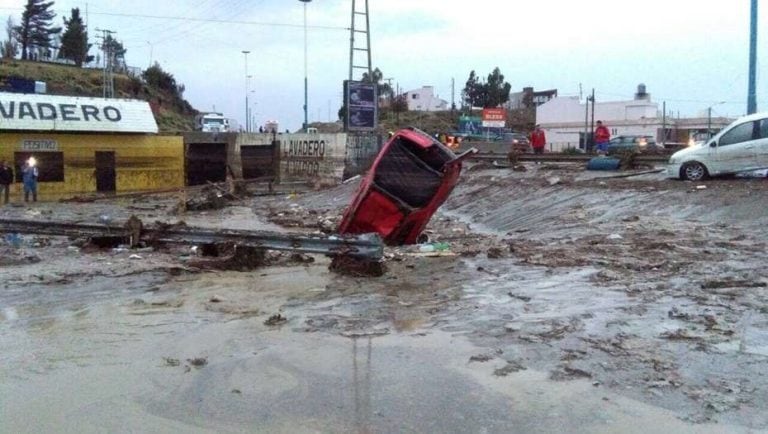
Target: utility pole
(306, 85)
(247, 121)
(752, 92)
(592, 128)
(108, 89)
(664, 124)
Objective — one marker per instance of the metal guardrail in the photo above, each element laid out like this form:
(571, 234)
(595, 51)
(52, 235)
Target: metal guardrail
(363, 246)
(557, 157)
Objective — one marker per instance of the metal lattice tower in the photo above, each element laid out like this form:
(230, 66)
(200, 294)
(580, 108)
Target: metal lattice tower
(363, 29)
(109, 80)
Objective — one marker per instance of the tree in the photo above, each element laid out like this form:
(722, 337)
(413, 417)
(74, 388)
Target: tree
(382, 89)
(492, 93)
(9, 48)
(74, 40)
(35, 29)
(496, 89)
(115, 52)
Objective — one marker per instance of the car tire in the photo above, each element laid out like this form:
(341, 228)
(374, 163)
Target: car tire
(693, 171)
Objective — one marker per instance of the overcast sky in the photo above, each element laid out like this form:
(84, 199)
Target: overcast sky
(690, 53)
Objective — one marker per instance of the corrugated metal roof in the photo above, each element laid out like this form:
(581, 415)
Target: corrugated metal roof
(37, 112)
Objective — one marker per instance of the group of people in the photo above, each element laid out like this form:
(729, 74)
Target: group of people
(29, 174)
(601, 137)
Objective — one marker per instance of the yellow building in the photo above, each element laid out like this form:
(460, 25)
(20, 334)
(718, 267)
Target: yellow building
(86, 145)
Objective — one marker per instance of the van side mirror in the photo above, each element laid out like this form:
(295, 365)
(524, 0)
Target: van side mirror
(713, 144)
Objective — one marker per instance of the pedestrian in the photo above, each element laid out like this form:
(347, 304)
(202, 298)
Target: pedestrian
(29, 178)
(538, 140)
(602, 137)
(6, 179)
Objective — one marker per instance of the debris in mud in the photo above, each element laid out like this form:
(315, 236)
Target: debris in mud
(482, 358)
(679, 335)
(171, 361)
(276, 319)
(720, 284)
(301, 258)
(14, 257)
(495, 253)
(511, 367)
(198, 362)
(236, 391)
(566, 373)
(232, 257)
(215, 299)
(356, 267)
(524, 298)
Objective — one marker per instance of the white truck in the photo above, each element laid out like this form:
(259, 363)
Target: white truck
(212, 122)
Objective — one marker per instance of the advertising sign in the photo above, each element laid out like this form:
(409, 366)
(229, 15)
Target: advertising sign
(494, 117)
(38, 112)
(362, 107)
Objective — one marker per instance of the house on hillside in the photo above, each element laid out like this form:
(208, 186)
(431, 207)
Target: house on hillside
(567, 120)
(529, 98)
(424, 99)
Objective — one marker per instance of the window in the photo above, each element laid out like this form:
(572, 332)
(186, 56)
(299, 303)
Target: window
(763, 128)
(50, 165)
(742, 133)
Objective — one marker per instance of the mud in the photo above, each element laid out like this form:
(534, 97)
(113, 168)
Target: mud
(594, 303)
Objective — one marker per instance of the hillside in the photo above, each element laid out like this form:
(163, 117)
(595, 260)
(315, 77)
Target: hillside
(432, 122)
(172, 111)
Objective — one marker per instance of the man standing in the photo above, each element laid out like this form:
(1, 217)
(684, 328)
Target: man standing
(6, 179)
(602, 137)
(29, 177)
(538, 140)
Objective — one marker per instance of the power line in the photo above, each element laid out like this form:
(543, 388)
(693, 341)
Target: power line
(220, 21)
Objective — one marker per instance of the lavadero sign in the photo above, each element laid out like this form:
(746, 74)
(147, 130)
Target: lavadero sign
(65, 113)
(312, 157)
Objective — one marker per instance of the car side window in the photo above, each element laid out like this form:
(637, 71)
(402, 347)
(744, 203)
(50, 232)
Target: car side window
(742, 133)
(763, 128)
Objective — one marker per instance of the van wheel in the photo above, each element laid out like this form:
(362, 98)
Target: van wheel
(693, 171)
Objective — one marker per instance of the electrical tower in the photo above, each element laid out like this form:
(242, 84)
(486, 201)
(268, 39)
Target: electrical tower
(354, 46)
(108, 54)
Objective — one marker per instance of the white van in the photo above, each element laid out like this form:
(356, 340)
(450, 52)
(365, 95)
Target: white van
(740, 147)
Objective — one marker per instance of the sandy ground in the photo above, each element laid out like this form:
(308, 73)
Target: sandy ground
(566, 302)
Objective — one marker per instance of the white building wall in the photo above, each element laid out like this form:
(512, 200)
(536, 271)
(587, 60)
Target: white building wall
(563, 119)
(424, 99)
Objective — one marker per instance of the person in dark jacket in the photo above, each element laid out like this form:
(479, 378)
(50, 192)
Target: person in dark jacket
(6, 179)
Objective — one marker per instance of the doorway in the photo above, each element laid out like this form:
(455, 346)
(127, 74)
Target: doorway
(106, 174)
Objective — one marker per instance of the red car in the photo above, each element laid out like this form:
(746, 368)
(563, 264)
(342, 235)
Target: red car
(410, 178)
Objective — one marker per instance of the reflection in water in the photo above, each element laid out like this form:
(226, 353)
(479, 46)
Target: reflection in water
(362, 387)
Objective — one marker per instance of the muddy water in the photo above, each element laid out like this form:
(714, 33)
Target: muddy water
(124, 354)
(572, 332)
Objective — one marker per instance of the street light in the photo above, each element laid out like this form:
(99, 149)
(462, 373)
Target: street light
(151, 50)
(306, 120)
(245, 52)
(709, 119)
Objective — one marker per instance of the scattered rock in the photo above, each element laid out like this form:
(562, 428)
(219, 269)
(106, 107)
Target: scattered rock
(276, 319)
(198, 362)
(511, 367)
(171, 362)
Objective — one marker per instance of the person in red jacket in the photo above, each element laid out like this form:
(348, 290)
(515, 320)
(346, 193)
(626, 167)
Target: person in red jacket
(538, 140)
(602, 137)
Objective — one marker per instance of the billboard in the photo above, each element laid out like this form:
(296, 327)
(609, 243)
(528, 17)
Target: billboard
(35, 112)
(494, 117)
(362, 107)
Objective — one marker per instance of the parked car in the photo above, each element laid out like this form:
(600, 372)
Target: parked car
(409, 179)
(644, 144)
(519, 142)
(742, 146)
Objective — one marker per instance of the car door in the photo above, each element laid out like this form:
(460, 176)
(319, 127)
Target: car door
(761, 145)
(736, 149)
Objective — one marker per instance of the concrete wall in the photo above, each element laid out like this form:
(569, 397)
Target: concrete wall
(143, 162)
(316, 157)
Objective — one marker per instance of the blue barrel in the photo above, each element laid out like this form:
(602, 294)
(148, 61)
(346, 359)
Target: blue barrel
(604, 163)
